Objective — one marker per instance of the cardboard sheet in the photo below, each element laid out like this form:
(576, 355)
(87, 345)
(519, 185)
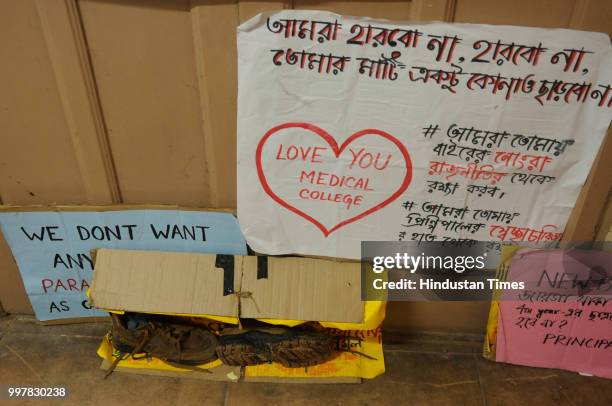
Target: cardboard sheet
(155, 282)
(303, 289)
(193, 284)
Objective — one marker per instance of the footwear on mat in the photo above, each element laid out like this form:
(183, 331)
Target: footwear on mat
(174, 343)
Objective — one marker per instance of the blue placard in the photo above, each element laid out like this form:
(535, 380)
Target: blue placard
(52, 248)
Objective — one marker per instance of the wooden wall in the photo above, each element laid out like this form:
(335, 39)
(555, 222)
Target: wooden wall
(134, 101)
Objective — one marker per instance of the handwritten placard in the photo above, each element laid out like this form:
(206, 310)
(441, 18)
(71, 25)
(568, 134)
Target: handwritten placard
(354, 129)
(52, 248)
(564, 317)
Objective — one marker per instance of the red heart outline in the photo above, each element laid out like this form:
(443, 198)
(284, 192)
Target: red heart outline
(337, 151)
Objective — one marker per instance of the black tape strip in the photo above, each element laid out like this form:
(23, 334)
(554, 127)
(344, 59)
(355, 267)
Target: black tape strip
(262, 267)
(227, 263)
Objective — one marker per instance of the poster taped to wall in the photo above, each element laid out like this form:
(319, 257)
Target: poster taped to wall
(52, 248)
(354, 129)
(562, 320)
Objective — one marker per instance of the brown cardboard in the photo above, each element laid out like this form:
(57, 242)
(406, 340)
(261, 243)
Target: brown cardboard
(156, 282)
(292, 379)
(190, 283)
(303, 289)
(12, 292)
(223, 373)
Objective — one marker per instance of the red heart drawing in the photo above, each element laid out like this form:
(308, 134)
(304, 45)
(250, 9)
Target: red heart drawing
(337, 151)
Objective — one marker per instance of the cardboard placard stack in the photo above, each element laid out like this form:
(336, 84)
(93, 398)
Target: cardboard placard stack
(226, 288)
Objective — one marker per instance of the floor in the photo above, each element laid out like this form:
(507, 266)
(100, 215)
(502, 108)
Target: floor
(424, 369)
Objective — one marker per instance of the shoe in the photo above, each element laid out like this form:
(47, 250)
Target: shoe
(290, 348)
(174, 343)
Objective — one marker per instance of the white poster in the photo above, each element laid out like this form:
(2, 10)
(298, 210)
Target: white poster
(354, 129)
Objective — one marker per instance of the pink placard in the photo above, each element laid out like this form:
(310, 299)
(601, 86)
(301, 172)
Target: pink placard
(563, 317)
